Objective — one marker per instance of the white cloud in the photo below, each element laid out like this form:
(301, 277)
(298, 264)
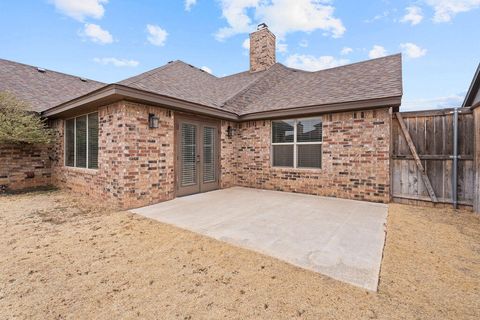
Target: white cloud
(246, 44)
(207, 69)
(303, 43)
(96, 34)
(81, 9)
(413, 16)
(282, 47)
(449, 101)
(345, 51)
(445, 10)
(282, 16)
(189, 4)
(381, 16)
(377, 52)
(311, 63)
(157, 36)
(117, 62)
(412, 50)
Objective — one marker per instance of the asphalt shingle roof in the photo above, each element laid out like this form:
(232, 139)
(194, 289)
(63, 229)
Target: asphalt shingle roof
(42, 90)
(277, 88)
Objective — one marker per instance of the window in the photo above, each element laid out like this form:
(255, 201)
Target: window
(297, 143)
(81, 141)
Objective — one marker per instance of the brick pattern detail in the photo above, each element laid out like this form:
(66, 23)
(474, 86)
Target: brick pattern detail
(24, 166)
(262, 50)
(355, 159)
(228, 152)
(135, 162)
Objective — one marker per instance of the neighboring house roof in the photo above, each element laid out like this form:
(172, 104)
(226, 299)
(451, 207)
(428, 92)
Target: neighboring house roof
(42, 89)
(472, 99)
(367, 84)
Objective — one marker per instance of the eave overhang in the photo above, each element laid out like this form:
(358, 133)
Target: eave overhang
(115, 92)
(472, 91)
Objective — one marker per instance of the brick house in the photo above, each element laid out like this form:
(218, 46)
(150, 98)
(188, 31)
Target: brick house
(177, 130)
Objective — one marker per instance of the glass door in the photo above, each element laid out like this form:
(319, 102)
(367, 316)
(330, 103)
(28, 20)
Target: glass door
(197, 156)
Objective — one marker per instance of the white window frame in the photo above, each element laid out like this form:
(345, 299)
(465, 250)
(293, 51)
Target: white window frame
(87, 164)
(295, 143)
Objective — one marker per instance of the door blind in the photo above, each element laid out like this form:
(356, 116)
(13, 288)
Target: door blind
(189, 154)
(208, 154)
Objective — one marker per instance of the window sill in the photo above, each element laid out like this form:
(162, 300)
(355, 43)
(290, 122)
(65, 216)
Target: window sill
(81, 170)
(313, 170)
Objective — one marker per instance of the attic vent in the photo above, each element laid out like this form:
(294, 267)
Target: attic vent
(83, 79)
(42, 70)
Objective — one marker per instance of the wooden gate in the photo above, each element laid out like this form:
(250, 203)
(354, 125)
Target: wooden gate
(423, 153)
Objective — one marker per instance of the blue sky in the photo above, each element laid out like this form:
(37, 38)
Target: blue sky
(109, 40)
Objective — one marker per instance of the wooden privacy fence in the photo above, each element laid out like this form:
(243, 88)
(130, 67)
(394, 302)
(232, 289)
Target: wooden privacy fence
(423, 156)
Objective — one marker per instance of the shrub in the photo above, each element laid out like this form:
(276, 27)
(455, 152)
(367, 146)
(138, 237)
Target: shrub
(18, 125)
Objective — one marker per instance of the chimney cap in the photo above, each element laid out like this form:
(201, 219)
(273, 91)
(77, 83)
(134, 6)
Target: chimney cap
(262, 26)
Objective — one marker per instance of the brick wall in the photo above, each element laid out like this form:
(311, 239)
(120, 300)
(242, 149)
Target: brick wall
(24, 166)
(355, 159)
(228, 156)
(135, 162)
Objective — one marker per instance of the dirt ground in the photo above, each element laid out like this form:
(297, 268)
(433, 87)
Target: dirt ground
(66, 257)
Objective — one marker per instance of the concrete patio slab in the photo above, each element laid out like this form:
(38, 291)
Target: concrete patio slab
(340, 238)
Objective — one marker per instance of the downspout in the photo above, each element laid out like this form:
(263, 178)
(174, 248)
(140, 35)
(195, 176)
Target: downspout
(455, 160)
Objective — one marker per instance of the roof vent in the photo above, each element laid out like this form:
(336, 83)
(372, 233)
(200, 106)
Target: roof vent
(83, 79)
(262, 26)
(42, 70)
(170, 61)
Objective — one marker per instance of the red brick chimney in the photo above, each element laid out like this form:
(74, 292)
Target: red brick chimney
(262, 49)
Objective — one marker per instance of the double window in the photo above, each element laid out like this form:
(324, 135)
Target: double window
(297, 143)
(81, 141)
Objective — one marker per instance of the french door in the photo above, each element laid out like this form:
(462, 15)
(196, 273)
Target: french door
(197, 157)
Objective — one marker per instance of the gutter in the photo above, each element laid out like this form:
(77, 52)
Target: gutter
(325, 108)
(116, 92)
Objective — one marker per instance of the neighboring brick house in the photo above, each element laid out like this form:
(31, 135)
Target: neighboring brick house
(177, 130)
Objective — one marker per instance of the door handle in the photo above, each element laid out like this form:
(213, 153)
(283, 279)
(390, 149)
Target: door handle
(198, 158)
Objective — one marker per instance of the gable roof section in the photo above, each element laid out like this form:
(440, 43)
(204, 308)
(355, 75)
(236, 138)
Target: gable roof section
(286, 88)
(472, 99)
(186, 82)
(42, 90)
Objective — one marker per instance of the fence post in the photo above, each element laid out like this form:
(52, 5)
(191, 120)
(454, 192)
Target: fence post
(476, 165)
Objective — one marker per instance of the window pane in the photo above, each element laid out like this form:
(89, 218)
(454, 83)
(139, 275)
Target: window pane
(283, 156)
(81, 140)
(70, 142)
(282, 131)
(309, 156)
(309, 130)
(93, 140)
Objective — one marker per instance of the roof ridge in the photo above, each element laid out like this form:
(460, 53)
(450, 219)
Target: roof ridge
(251, 84)
(148, 73)
(50, 70)
(236, 74)
(350, 64)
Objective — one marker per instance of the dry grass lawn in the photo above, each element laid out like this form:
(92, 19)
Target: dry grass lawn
(64, 257)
